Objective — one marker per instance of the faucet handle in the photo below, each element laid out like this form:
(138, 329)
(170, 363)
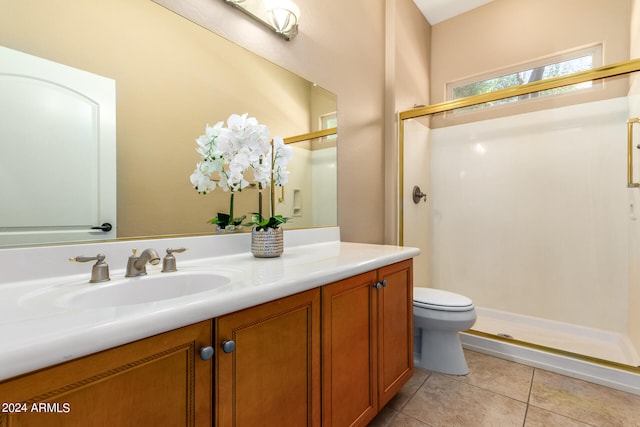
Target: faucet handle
(175, 250)
(169, 260)
(99, 271)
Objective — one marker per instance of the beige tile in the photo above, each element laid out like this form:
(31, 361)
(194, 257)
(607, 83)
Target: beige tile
(404, 421)
(584, 401)
(444, 401)
(537, 417)
(497, 375)
(390, 411)
(409, 389)
(384, 418)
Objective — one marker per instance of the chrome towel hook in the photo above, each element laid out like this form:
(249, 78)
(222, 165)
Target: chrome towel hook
(418, 194)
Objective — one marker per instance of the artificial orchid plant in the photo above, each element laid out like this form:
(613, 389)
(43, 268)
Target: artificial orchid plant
(228, 152)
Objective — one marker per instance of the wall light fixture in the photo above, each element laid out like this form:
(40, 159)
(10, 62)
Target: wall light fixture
(281, 16)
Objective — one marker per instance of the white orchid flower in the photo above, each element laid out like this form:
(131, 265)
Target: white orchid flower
(262, 174)
(201, 182)
(282, 156)
(228, 152)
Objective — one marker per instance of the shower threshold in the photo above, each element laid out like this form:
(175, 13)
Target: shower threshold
(589, 342)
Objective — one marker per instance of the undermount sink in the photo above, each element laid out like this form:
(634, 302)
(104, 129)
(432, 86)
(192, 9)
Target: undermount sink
(144, 289)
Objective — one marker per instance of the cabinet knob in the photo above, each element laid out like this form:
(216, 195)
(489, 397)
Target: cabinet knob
(377, 285)
(228, 346)
(206, 353)
(384, 283)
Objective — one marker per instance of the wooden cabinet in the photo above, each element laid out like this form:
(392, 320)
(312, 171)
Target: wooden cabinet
(160, 380)
(367, 337)
(271, 373)
(395, 329)
(333, 355)
(267, 369)
(349, 351)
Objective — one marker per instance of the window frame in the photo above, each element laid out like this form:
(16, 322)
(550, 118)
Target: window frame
(595, 50)
(325, 122)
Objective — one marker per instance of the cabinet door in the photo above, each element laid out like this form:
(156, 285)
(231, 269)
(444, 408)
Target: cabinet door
(349, 362)
(271, 376)
(156, 381)
(395, 329)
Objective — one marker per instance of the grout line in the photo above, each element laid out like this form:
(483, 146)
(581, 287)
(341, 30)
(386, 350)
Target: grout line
(534, 376)
(526, 410)
(429, 373)
(410, 396)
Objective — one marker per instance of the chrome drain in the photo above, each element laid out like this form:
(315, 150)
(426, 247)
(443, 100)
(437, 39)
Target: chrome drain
(505, 336)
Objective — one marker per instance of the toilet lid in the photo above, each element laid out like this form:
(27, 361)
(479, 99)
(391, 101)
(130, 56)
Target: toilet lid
(437, 299)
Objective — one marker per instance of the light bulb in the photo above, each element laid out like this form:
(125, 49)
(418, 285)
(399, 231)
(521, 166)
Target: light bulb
(283, 15)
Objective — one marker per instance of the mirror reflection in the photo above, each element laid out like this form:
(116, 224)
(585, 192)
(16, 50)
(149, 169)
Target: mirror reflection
(309, 197)
(57, 152)
(172, 77)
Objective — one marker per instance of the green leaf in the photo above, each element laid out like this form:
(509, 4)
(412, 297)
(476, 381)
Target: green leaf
(261, 223)
(223, 220)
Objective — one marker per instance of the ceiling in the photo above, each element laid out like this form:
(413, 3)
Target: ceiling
(440, 10)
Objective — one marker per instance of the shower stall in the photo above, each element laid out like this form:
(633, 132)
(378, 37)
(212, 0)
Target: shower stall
(535, 216)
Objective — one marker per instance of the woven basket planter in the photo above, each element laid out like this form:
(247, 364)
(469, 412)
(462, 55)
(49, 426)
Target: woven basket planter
(267, 243)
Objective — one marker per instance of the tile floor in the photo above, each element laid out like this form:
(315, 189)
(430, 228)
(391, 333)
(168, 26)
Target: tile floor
(500, 393)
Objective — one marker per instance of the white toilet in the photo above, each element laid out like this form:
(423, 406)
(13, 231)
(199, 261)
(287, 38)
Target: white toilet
(438, 316)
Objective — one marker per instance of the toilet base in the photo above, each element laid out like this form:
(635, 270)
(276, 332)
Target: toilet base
(441, 351)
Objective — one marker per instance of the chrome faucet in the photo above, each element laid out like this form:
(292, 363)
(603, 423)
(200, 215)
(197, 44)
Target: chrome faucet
(137, 265)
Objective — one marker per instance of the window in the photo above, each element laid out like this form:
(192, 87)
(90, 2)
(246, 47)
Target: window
(558, 65)
(328, 121)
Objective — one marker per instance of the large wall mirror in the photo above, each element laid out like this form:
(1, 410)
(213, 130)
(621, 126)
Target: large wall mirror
(172, 77)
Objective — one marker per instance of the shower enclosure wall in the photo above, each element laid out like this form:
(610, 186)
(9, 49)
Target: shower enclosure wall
(530, 215)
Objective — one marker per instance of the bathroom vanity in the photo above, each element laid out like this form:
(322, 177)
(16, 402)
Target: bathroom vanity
(321, 335)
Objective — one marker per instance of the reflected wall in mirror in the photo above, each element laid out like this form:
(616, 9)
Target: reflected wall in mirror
(172, 78)
(309, 197)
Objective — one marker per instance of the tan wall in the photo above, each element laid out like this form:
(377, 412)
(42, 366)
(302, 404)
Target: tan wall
(504, 33)
(407, 46)
(411, 86)
(172, 78)
(412, 56)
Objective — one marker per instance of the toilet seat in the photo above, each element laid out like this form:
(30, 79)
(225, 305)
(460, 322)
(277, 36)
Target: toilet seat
(437, 299)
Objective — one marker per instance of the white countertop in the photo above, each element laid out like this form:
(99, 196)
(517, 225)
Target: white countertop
(37, 333)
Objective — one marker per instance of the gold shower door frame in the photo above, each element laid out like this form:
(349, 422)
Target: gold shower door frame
(613, 70)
